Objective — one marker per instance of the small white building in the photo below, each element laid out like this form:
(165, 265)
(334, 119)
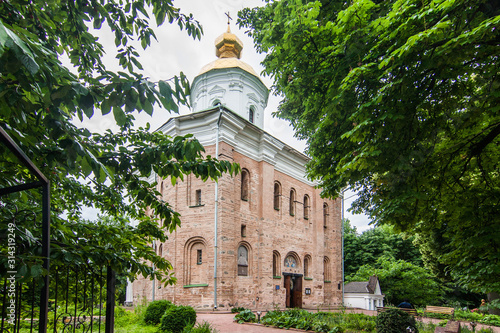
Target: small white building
(364, 295)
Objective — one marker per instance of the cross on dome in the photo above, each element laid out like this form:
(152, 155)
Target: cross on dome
(228, 18)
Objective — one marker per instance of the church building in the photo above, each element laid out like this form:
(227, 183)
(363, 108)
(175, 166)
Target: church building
(261, 239)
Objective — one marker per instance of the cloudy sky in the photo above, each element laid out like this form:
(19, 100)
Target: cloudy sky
(175, 51)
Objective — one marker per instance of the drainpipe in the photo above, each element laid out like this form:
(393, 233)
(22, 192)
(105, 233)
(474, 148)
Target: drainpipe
(216, 209)
(154, 279)
(342, 233)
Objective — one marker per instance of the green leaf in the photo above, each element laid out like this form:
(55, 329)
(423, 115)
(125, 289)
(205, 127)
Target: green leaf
(120, 116)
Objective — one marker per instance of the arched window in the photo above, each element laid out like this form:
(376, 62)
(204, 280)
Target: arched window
(292, 202)
(216, 103)
(307, 205)
(196, 268)
(242, 261)
(251, 114)
(325, 214)
(277, 195)
(245, 180)
(327, 275)
(160, 250)
(276, 263)
(307, 266)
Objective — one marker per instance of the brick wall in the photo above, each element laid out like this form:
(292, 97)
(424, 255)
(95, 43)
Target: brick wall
(266, 230)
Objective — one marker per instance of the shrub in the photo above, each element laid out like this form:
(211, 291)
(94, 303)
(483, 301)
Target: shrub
(155, 311)
(491, 320)
(204, 327)
(176, 318)
(320, 321)
(245, 316)
(237, 310)
(124, 317)
(395, 321)
(358, 322)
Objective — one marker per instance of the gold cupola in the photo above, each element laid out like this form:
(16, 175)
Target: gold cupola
(228, 45)
(230, 82)
(228, 49)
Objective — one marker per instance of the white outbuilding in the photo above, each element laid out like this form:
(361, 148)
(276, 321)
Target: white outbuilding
(364, 295)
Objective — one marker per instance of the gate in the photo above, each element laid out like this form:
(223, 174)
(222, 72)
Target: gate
(34, 295)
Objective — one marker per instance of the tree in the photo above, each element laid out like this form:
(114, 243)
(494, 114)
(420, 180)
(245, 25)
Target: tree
(39, 98)
(400, 279)
(398, 100)
(366, 248)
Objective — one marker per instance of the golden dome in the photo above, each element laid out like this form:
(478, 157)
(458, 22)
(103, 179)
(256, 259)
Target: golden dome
(228, 49)
(228, 45)
(228, 63)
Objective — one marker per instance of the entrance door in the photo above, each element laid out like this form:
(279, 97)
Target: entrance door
(297, 292)
(293, 287)
(288, 280)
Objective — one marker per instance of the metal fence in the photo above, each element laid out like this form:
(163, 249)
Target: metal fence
(36, 296)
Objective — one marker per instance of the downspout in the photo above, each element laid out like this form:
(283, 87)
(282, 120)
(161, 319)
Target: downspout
(154, 279)
(216, 209)
(342, 233)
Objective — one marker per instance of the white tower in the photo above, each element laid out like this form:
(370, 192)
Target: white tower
(230, 82)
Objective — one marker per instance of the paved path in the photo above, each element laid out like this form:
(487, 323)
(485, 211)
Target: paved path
(224, 323)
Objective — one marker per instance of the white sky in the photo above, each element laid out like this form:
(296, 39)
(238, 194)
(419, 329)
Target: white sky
(175, 51)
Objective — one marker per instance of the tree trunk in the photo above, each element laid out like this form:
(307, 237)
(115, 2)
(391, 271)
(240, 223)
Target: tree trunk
(492, 296)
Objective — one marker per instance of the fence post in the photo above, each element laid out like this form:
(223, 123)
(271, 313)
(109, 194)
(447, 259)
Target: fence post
(110, 301)
(44, 300)
(45, 184)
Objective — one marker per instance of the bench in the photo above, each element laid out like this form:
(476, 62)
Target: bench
(411, 312)
(440, 309)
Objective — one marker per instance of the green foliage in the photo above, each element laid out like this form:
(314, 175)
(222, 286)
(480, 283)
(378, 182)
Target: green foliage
(238, 309)
(400, 279)
(127, 321)
(39, 101)
(395, 321)
(245, 316)
(399, 101)
(156, 310)
(123, 317)
(140, 309)
(176, 318)
(481, 318)
(203, 327)
(320, 321)
(366, 248)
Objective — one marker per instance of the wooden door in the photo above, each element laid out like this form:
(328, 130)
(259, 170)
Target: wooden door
(288, 291)
(297, 292)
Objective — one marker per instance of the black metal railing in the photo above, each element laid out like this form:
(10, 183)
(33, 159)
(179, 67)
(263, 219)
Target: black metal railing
(81, 300)
(77, 297)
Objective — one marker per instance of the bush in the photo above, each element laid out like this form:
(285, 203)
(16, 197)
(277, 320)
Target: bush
(491, 320)
(320, 321)
(176, 318)
(123, 317)
(395, 321)
(155, 311)
(237, 310)
(204, 327)
(245, 316)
